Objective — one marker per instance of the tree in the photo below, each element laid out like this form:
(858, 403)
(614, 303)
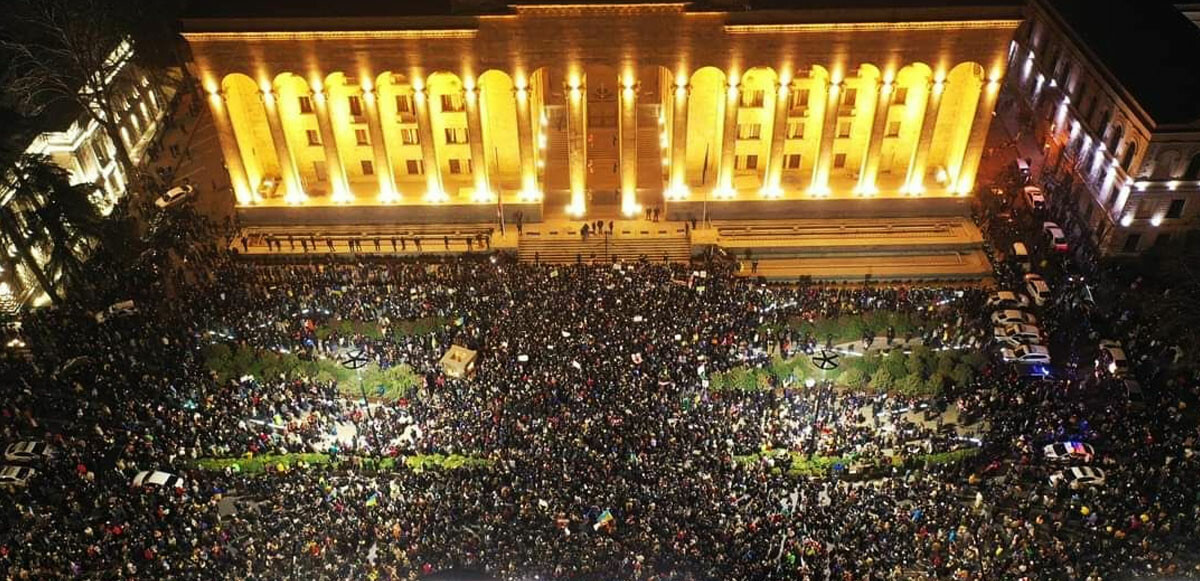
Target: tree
(919, 360)
(61, 51)
(882, 380)
(853, 378)
(896, 363)
(911, 385)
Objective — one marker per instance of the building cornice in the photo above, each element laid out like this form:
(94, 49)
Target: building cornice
(870, 26)
(593, 9)
(445, 33)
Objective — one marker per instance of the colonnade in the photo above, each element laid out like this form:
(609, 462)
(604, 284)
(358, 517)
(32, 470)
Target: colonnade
(768, 134)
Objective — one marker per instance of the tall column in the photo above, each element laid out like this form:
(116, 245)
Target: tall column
(627, 130)
(287, 163)
(479, 169)
(383, 160)
(577, 149)
(529, 186)
(870, 163)
(433, 169)
(772, 187)
(821, 168)
(230, 150)
(340, 188)
(915, 182)
(679, 119)
(977, 138)
(729, 141)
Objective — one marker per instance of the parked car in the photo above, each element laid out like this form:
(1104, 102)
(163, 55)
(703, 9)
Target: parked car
(1020, 255)
(1037, 288)
(174, 196)
(1010, 316)
(1081, 475)
(157, 478)
(120, 309)
(1017, 334)
(1069, 451)
(1034, 198)
(1007, 300)
(1026, 354)
(16, 476)
(1134, 395)
(26, 451)
(1058, 240)
(1112, 359)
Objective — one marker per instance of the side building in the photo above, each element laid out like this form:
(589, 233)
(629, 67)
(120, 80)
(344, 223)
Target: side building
(76, 142)
(1114, 91)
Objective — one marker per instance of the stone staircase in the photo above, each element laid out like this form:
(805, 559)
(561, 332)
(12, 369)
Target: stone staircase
(629, 243)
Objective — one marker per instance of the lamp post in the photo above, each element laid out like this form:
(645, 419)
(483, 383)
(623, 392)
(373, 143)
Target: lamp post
(356, 360)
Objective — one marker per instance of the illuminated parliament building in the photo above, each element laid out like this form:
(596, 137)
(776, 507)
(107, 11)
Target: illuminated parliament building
(372, 111)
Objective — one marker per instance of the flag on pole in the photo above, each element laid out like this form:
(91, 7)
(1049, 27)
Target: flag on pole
(605, 519)
(373, 499)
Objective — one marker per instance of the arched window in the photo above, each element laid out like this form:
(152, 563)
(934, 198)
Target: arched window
(1127, 161)
(1193, 169)
(1115, 139)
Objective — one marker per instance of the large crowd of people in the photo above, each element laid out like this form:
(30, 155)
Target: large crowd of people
(603, 451)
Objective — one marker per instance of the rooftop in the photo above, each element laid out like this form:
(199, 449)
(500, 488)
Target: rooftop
(1151, 48)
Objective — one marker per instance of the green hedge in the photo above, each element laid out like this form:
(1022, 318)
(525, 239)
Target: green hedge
(231, 363)
(374, 330)
(416, 463)
(802, 465)
(852, 327)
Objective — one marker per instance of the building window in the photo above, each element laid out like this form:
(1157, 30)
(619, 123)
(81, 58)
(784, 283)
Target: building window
(313, 137)
(796, 130)
(901, 97)
(1175, 210)
(356, 106)
(749, 131)
(368, 168)
(843, 129)
(414, 167)
(746, 162)
(98, 148)
(839, 161)
(799, 99)
(793, 161)
(403, 104)
(410, 136)
(1193, 169)
(452, 103)
(306, 104)
(849, 98)
(1131, 243)
(1127, 162)
(893, 129)
(460, 166)
(456, 135)
(360, 137)
(1162, 239)
(752, 98)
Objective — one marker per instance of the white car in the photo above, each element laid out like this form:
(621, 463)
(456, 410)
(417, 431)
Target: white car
(1007, 299)
(1035, 197)
(1011, 316)
(156, 478)
(1057, 238)
(1026, 354)
(26, 451)
(1069, 451)
(174, 196)
(1082, 475)
(1112, 359)
(1037, 288)
(14, 476)
(1017, 334)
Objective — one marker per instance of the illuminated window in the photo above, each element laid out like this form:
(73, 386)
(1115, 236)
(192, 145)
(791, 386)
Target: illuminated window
(306, 104)
(356, 106)
(849, 98)
(414, 167)
(893, 129)
(403, 104)
(456, 135)
(796, 130)
(749, 131)
(360, 137)
(752, 98)
(313, 137)
(799, 99)
(843, 129)
(452, 103)
(368, 168)
(460, 166)
(901, 97)
(410, 136)
(746, 162)
(839, 161)
(793, 161)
